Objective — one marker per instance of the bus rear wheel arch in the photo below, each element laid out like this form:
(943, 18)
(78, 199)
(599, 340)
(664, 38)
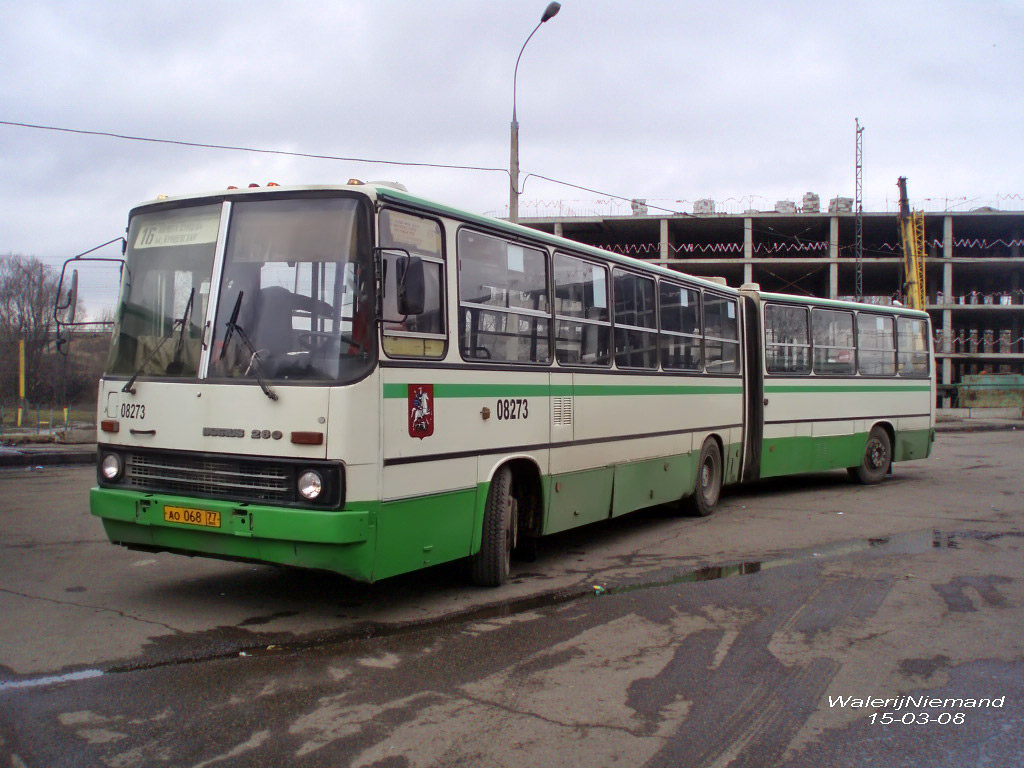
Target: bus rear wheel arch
(708, 483)
(877, 459)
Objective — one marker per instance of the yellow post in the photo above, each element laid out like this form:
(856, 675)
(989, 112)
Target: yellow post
(21, 377)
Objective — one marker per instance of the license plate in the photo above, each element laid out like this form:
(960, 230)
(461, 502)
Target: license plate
(190, 516)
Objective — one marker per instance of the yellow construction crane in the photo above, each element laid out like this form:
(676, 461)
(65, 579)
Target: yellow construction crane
(912, 237)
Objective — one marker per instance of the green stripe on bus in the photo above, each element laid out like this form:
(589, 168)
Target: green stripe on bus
(392, 391)
(845, 388)
(639, 389)
(401, 391)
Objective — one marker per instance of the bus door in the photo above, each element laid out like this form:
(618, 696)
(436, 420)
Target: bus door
(753, 389)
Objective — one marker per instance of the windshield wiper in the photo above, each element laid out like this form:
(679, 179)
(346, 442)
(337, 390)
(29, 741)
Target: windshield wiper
(175, 366)
(255, 363)
(176, 363)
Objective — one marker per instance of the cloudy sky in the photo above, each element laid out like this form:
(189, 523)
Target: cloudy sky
(740, 101)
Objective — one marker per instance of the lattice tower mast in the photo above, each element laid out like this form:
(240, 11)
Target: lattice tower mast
(858, 217)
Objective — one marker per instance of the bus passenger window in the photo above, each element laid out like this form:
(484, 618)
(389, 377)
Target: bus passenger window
(876, 347)
(721, 334)
(503, 300)
(787, 346)
(680, 328)
(636, 329)
(582, 322)
(421, 335)
(912, 336)
(832, 332)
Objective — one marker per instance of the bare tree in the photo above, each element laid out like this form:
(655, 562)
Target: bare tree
(28, 289)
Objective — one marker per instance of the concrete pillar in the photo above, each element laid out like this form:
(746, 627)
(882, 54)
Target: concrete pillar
(558, 229)
(666, 243)
(947, 314)
(748, 249)
(833, 255)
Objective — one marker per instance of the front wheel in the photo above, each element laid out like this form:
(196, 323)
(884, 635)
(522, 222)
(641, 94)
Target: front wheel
(491, 565)
(708, 486)
(877, 458)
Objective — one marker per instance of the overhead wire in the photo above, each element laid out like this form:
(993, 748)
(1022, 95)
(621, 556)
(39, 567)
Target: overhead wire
(313, 156)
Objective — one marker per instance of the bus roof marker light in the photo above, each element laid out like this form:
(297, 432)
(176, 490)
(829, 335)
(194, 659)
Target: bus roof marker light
(110, 425)
(308, 438)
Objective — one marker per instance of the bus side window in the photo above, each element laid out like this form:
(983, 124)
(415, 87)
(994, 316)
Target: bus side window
(680, 328)
(636, 328)
(721, 334)
(503, 300)
(912, 335)
(787, 345)
(876, 346)
(582, 322)
(421, 335)
(832, 332)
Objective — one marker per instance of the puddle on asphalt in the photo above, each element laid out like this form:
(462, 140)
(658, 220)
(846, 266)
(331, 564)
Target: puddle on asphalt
(915, 542)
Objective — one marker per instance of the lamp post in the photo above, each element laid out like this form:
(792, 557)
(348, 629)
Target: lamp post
(513, 163)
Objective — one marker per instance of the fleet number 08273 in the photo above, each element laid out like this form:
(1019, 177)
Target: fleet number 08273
(511, 409)
(133, 411)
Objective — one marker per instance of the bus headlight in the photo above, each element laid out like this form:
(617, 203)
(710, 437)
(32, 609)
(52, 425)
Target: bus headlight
(110, 467)
(310, 485)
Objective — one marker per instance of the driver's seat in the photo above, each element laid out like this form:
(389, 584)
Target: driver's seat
(274, 332)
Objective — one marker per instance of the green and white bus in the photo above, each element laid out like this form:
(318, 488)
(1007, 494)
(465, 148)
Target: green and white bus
(354, 379)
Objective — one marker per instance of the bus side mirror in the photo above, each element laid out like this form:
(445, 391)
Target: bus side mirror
(412, 286)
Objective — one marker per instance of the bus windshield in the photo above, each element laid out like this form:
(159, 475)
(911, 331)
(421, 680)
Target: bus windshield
(297, 285)
(164, 293)
(294, 297)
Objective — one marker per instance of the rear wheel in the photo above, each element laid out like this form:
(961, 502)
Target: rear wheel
(708, 485)
(491, 565)
(877, 458)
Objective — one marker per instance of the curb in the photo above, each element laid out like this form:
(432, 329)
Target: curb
(84, 455)
(985, 426)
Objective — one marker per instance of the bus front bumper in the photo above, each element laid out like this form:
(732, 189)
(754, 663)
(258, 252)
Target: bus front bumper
(335, 540)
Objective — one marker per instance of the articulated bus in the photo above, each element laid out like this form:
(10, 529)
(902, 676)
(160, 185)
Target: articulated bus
(354, 379)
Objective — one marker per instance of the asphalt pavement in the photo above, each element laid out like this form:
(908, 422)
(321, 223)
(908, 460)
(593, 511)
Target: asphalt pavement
(809, 622)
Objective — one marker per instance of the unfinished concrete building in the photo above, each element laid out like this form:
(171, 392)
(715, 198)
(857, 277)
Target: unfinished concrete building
(975, 267)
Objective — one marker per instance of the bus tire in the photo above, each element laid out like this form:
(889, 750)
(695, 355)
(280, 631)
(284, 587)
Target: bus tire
(877, 458)
(708, 484)
(491, 565)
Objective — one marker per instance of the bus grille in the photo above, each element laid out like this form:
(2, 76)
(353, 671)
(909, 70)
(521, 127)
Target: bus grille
(205, 476)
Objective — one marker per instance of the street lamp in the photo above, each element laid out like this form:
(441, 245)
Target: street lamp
(513, 163)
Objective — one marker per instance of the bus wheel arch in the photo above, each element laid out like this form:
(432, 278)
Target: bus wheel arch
(511, 520)
(877, 458)
(709, 479)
